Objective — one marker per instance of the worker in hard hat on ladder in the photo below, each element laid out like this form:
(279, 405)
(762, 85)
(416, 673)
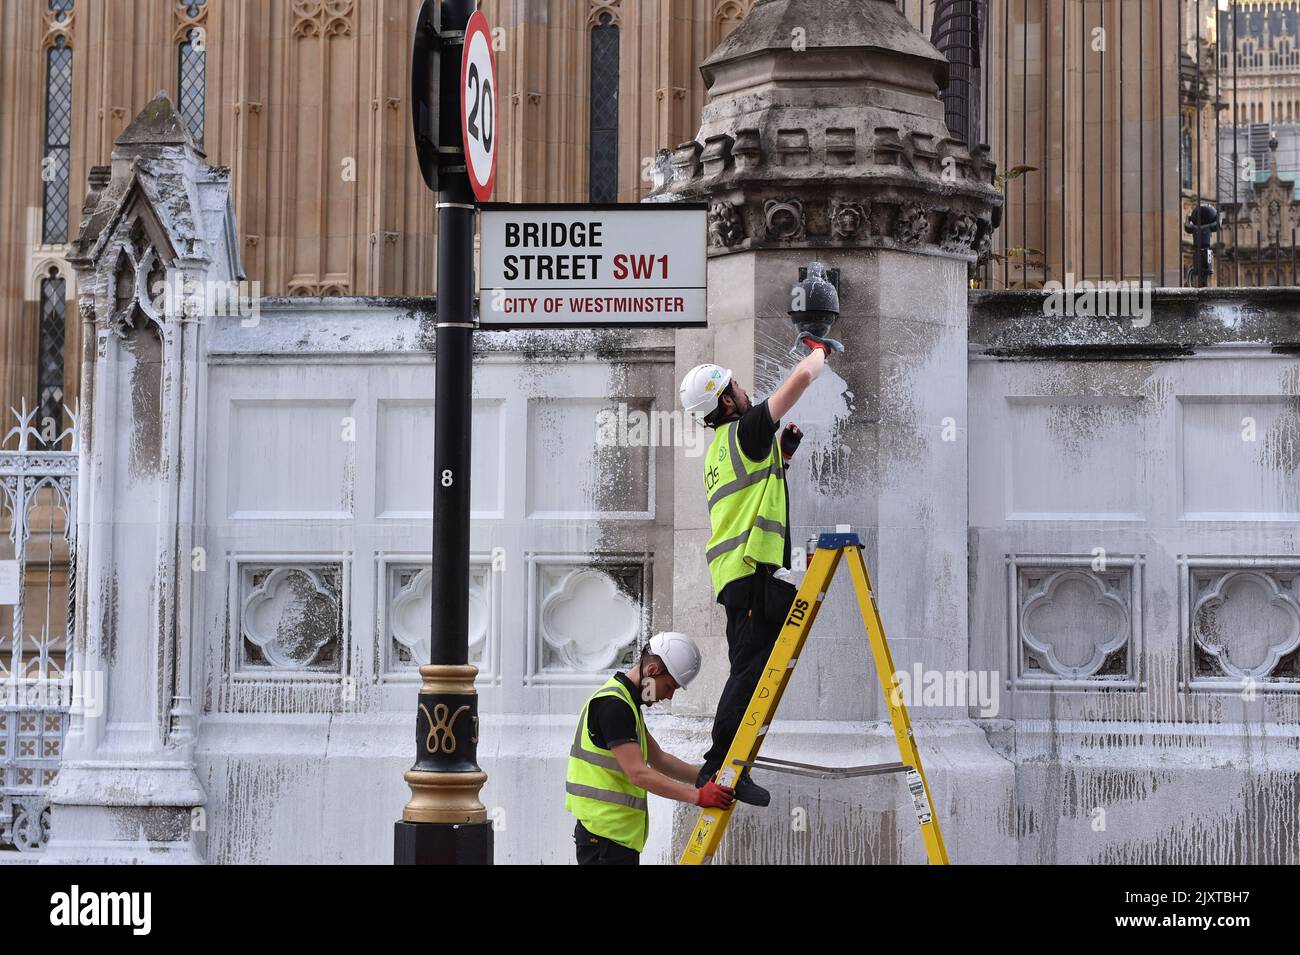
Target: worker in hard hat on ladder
(615, 761)
(749, 515)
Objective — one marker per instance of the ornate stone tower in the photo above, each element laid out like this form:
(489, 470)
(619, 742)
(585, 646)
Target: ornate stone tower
(825, 140)
(157, 233)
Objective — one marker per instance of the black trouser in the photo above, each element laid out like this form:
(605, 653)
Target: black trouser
(751, 634)
(597, 850)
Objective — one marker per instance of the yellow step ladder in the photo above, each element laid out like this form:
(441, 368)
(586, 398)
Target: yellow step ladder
(743, 753)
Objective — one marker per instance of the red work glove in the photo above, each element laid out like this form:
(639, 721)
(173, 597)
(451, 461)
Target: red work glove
(713, 796)
(812, 342)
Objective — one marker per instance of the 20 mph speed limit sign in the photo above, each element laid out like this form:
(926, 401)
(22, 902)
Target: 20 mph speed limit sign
(478, 106)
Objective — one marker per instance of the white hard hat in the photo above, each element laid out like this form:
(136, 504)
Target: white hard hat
(702, 387)
(680, 655)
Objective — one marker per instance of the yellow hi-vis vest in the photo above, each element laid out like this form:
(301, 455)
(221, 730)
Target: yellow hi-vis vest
(597, 790)
(746, 508)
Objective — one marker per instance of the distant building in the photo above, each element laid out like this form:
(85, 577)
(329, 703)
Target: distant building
(1240, 135)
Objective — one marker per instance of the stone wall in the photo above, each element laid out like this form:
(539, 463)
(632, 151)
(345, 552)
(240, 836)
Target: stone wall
(1143, 711)
(1134, 532)
(317, 613)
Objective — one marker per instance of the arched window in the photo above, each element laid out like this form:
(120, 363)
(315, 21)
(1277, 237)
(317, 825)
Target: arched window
(192, 68)
(603, 151)
(58, 135)
(49, 361)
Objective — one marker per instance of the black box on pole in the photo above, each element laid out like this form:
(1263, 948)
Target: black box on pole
(424, 843)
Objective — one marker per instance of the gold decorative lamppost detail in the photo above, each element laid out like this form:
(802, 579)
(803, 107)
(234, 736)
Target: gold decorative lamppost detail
(446, 780)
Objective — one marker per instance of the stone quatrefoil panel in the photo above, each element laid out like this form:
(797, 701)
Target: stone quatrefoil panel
(589, 618)
(1074, 623)
(410, 615)
(291, 617)
(1245, 624)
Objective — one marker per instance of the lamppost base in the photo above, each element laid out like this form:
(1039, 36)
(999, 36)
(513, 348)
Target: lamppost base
(442, 843)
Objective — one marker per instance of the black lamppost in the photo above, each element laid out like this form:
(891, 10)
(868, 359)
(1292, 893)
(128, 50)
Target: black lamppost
(445, 823)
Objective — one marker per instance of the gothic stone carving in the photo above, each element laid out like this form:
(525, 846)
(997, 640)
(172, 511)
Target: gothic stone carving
(599, 7)
(847, 219)
(961, 232)
(138, 272)
(58, 25)
(984, 243)
(187, 17)
(315, 18)
(726, 228)
(784, 218)
(912, 227)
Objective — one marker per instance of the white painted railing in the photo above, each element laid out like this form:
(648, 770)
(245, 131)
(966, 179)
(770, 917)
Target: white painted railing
(37, 556)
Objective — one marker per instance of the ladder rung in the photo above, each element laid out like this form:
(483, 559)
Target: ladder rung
(823, 772)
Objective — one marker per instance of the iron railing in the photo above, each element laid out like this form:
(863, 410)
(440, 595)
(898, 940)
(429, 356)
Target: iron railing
(38, 492)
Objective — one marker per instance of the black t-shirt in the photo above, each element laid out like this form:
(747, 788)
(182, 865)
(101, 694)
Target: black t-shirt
(755, 431)
(609, 721)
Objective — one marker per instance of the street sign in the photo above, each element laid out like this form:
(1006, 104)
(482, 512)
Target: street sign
(593, 266)
(478, 106)
(425, 91)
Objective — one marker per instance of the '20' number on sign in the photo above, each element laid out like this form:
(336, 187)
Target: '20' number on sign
(478, 107)
(479, 91)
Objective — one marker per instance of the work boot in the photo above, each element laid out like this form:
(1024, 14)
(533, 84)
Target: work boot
(750, 792)
(747, 791)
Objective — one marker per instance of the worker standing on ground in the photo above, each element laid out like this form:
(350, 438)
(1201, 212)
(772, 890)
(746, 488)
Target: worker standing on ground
(615, 761)
(749, 515)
